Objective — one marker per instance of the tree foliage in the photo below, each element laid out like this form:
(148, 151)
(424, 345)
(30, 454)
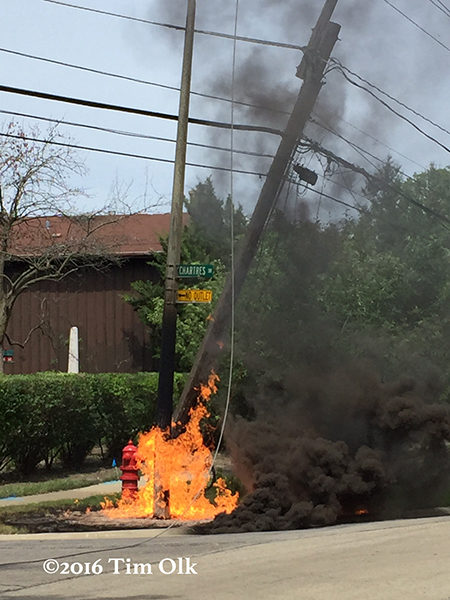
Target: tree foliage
(375, 288)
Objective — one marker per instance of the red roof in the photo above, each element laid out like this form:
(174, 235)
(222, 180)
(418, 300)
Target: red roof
(124, 235)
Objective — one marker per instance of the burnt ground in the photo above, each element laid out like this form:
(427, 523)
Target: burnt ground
(52, 520)
(62, 521)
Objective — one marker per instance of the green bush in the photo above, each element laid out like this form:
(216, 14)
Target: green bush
(126, 404)
(45, 416)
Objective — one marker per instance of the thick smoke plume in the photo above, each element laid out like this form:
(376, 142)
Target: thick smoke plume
(329, 447)
(331, 443)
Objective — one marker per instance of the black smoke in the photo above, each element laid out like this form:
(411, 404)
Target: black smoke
(325, 447)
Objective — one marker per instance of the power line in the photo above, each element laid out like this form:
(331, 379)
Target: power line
(362, 87)
(135, 111)
(443, 5)
(444, 9)
(373, 178)
(355, 146)
(323, 194)
(126, 154)
(363, 210)
(232, 254)
(411, 21)
(130, 133)
(375, 139)
(135, 79)
(361, 151)
(399, 102)
(239, 38)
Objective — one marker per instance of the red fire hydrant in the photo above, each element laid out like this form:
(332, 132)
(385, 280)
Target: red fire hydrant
(129, 470)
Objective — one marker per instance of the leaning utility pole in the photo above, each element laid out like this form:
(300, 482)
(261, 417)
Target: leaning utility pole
(311, 70)
(169, 321)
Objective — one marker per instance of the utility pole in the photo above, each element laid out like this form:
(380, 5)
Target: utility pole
(311, 70)
(169, 322)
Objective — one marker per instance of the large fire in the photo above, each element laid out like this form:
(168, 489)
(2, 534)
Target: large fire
(177, 472)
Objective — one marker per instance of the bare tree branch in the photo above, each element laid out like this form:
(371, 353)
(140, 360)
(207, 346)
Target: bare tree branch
(41, 239)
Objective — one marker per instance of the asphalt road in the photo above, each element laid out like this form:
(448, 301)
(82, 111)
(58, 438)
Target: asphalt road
(405, 560)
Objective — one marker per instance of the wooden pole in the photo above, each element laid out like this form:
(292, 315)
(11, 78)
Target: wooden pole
(169, 322)
(316, 56)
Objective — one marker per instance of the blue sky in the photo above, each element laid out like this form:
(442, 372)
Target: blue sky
(375, 41)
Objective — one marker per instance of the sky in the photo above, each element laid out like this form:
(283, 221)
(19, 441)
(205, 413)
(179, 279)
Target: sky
(375, 41)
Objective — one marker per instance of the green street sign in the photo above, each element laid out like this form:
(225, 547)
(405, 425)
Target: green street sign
(195, 270)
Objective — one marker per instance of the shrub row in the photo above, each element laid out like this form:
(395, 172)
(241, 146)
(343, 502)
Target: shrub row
(52, 415)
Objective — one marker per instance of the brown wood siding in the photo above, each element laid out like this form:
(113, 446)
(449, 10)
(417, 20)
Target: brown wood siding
(112, 338)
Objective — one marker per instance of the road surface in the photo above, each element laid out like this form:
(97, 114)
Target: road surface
(404, 559)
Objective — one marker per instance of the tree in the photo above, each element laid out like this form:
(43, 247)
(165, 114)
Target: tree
(209, 230)
(394, 269)
(35, 193)
(389, 286)
(374, 288)
(206, 239)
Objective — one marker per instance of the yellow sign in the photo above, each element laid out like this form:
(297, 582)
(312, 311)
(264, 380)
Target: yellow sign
(201, 296)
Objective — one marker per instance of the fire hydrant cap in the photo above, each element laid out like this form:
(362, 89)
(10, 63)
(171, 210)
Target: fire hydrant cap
(130, 447)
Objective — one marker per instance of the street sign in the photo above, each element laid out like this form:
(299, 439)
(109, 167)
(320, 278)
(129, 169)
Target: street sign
(198, 296)
(195, 270)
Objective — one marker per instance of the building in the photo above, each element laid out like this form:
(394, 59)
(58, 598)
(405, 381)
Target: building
(111, 336)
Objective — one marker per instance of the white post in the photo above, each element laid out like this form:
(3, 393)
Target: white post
(73, 365)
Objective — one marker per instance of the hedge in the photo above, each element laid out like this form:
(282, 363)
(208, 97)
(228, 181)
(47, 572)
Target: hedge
(52, 415)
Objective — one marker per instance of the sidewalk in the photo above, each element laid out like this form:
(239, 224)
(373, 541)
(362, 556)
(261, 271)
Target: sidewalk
(106, 488)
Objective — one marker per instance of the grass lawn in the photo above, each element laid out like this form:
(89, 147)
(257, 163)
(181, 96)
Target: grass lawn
(10, 514)
(68, 482)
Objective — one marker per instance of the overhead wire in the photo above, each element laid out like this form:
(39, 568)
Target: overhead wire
(132, 134)
(127, 154)
(358, 208)
(416, 25)
(373, 178)
(135, 79)
(375, 139)
(385, 104)
(361, 151)
(399, 102)
(329, 197)
(353, 145)
(319, 203)
(132, 110)
(180, 27)
(347, 186)
(443, 9)
(232, 270)
(443, 5)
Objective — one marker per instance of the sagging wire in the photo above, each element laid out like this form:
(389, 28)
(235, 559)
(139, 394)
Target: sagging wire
(342, 71)
(341, 67)
(313, 145)
(328, 170)
(233, 315)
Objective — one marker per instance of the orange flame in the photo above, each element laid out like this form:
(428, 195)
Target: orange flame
(361, 511)
(179, 465)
